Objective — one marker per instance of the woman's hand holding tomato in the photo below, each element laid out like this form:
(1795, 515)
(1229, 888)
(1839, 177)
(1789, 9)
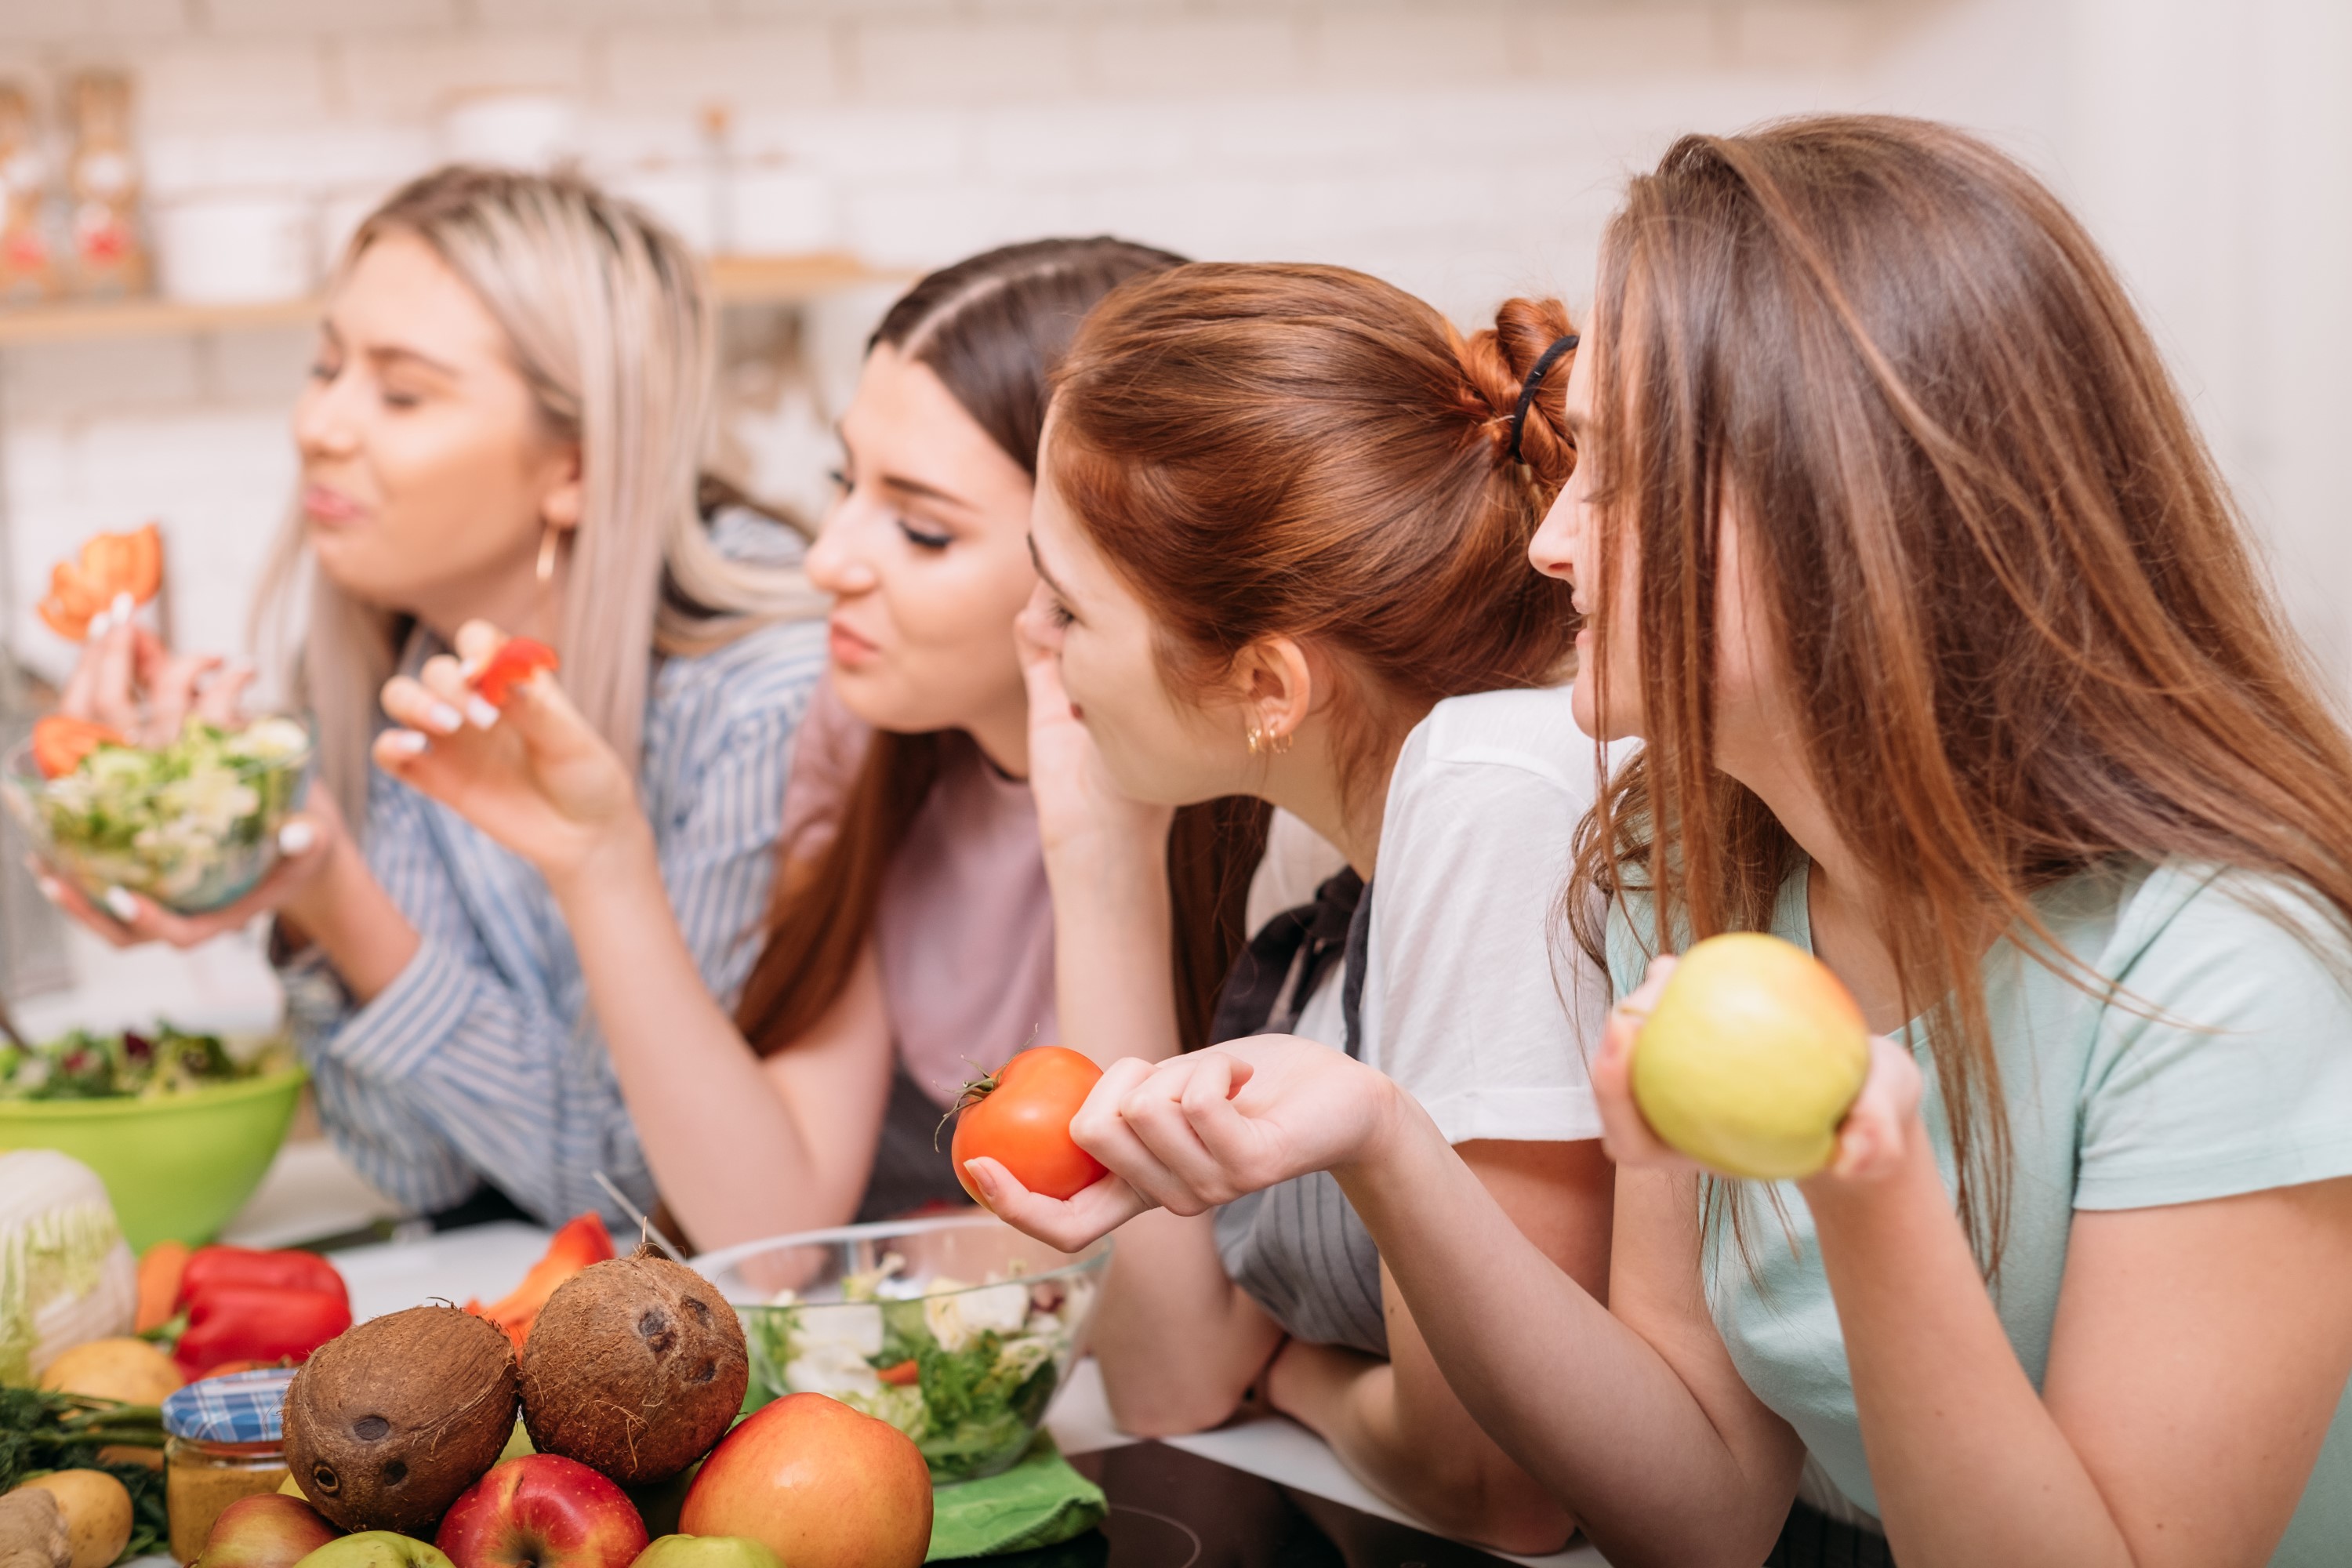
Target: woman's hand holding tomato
(490, 734)
(1201, 1130)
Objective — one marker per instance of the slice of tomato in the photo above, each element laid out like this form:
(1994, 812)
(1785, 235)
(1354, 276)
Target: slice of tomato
(60, 744)
(902, 1374)
(517, 661)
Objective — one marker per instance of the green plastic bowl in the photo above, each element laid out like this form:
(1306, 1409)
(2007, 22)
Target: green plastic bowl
(176, 1166)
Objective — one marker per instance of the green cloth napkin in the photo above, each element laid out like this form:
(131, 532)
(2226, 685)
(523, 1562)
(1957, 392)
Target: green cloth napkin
(1040, 1501)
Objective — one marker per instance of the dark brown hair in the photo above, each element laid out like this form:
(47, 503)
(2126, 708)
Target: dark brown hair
(1308, 451)
(991, 327)
(2022, 630)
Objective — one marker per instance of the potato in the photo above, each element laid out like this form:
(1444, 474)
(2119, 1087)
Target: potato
(127, 1369)
(97, 1511)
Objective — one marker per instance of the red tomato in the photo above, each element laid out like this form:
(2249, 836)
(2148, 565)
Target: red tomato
(60, 744)
(517, 661)
(1020, 1115)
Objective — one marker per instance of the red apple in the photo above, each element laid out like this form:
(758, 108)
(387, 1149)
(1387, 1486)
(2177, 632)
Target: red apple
(272, 1531)
(819, 1484)
(542, 1510)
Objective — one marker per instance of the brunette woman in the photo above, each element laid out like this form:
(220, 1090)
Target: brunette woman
(912, 937)
(2079, 837)
(1282, 526)
(504, 419)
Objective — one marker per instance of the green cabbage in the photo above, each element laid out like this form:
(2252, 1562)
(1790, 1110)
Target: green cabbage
(67, 1277)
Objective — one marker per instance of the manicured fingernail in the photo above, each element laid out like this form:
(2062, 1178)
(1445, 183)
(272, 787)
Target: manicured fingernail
(444, 718)
(483, 716)
(405, 742)
(982, 1178)
(121, 608)
(98, 626)
(120, 905)
(296, 838)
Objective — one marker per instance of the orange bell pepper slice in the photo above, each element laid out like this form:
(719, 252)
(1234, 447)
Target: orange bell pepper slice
(60, 744)
(517, 661)
(582, 1241)
(110, 565)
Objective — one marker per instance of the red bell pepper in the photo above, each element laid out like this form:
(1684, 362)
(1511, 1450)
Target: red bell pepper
(211, 1268)
(582, 1240)
(258, 1323)
(517, 661)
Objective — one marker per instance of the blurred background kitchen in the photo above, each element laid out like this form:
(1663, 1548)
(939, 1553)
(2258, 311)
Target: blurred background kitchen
(179, 173)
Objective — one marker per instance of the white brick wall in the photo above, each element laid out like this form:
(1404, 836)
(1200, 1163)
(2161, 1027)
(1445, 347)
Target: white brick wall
(1466, 147)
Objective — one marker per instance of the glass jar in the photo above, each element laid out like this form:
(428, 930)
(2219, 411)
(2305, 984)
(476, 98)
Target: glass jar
(202, 1479)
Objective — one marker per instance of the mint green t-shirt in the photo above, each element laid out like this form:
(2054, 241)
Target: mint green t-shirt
(2223, 1067)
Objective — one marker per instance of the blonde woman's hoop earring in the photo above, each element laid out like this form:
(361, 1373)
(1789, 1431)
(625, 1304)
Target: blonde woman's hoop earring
(546, 542)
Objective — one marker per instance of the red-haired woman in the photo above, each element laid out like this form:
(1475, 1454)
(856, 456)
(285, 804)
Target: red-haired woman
(1953, 663)
(1282, 523)
(912, 932)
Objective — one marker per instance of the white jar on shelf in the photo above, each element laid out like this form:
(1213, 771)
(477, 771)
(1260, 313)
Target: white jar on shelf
(229, 248)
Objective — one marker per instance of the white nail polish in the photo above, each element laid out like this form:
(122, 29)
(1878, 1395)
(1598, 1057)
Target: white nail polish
(122, 608)
(120, 905)
(52, 890)
(483, 716)
(444, 718)
(296, 838)
(99, 624)
(407, 742)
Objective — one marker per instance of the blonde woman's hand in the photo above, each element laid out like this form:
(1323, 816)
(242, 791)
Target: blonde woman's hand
(1879, 1132)
(1080, 808)
(535, 776)
(1202, 1129)
(309, 842)
(128, 680)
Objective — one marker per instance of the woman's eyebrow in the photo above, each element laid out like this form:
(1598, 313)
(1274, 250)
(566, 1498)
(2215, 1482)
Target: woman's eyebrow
(1044, 576)
(927, 491)
(397, 354)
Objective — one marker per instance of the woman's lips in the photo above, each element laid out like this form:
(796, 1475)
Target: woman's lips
(332, 507)
(847, 647)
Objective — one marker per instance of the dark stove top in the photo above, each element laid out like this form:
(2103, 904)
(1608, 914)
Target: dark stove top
(1170, 1508)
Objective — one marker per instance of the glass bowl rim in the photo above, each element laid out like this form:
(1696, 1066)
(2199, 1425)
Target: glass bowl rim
(19, 767)
(1092, 1256)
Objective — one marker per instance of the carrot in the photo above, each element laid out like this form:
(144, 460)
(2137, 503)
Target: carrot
(158, 1283)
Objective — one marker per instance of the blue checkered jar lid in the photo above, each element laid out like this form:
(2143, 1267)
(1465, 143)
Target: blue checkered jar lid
(241, 1407)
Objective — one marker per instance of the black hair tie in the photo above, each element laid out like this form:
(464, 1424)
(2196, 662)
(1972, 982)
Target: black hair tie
(1544, 362)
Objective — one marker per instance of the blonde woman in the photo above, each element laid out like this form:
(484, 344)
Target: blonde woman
(504, 422)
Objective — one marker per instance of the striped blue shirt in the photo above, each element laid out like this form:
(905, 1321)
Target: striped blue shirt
(483, 1061)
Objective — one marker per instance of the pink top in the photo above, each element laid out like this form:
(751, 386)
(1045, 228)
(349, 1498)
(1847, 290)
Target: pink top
(965, 928)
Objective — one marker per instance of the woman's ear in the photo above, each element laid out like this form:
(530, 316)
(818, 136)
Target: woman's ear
(1276, 682)
(565, 496)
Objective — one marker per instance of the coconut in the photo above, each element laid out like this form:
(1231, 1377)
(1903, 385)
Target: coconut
(388, 1422)
(635, 1367)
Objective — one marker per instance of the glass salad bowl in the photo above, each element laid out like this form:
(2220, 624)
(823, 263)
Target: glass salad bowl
(957, 1330)
(192, 825)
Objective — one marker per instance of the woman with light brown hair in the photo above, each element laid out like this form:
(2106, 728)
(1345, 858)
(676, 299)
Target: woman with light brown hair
(505, 418)
(1952, 663)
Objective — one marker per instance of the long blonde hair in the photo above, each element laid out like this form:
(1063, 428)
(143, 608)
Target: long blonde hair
(605, 313)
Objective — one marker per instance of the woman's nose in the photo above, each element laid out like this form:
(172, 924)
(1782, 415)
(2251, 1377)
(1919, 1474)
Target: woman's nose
(323, 422)
(1552, 550)
(834, 564)
(1039, 624)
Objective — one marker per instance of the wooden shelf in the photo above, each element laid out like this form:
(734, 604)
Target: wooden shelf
(736, 279)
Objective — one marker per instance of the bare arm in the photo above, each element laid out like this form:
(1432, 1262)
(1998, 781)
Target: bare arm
(1399, 1424)
(1178, 1342)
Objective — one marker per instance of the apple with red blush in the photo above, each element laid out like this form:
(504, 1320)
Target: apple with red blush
(271, 1530)
(819, 1484)
(542, 1510)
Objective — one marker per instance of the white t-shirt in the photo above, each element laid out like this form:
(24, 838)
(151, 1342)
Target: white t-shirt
(1476, 999)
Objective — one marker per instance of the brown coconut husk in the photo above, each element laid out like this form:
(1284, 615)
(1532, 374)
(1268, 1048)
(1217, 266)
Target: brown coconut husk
(636, 1367)
(389, 1421)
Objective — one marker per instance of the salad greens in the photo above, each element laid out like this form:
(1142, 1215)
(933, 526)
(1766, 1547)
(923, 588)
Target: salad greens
(174, 821)
(86, 1065)
(966, 1371)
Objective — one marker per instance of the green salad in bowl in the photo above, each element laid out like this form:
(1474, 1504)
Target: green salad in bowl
(152, 1063)
(959, 1330)
(192, 825)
